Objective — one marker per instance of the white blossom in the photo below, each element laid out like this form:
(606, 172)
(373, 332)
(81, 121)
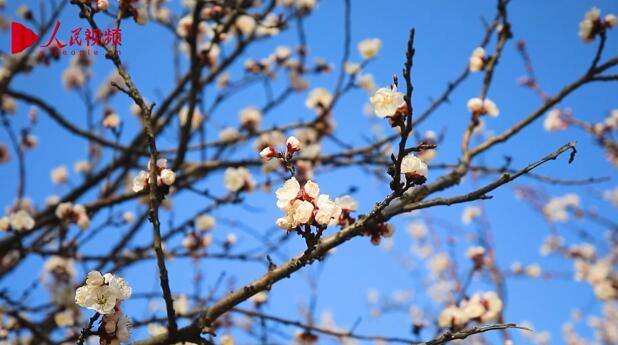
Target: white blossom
(369, 48)
(386, 101)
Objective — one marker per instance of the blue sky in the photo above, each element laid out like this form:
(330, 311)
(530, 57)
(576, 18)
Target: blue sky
(447, 32)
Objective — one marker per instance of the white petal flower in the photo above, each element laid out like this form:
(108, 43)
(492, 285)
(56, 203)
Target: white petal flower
(287, 192)
(60, 175)
(369, 48)
(121, 289)
(140, 181)
(347, 202)
(303, 210)
(412, 165)
(319, 99)
(311, 189)
(21, 220)
(205, 222)
(386, 101)
(94, 279)
(236, 179)
(168, 177)
(553, 121)
(293, 144)
(327, 210)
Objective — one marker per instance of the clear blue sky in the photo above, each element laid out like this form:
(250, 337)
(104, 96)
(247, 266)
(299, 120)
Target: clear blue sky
(447, 32)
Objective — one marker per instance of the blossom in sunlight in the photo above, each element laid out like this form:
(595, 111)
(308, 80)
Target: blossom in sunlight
(102, 293)
(351, 68)
(103, 5)
(293, 144)
(238, 179)
(73, 78)
(268, 153)
(554, 121)
(369, 48)
(117, 329)
(386, 101)
(533, 271)
(347, 203)
(319, 99)
(168, 177)
(245, 24)
(417, 230)
(140, 181)
(8, 104)
(452, 316)
(477, 60)
(227, 340)
(589, 26)
(196, 119)
(556, 209)
(414, 168)
(165, 176)
(366, 82)
(82, 167)
(141, 16)
(60, 175)
(483, 307)
(610, 20)
(59, 267)
(205, 222)
(259, 298)
(228, 134)
(250, 118)
(470, 213)
(304, 205)
(73, 214)
(482, 107)
(21, 220)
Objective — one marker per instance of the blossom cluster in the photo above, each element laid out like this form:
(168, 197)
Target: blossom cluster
(304, 205)
(103, 294)
(19, 220)
(165, 176)
(483, 106)
(75, 214)
(481, 307)
(592, 24)
(477, 60)
(556, 209)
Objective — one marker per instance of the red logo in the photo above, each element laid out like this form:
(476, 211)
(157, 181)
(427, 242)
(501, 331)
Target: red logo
(21, 37)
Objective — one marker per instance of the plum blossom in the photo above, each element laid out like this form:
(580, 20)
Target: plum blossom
(293, 144)
(369, 48)
(319, 99)
(250, 118)
(483, 106)
(237, 179)
(165, 176)
(470, 213)
(21, 220)
(483, 307)
(205, 222)
(554, 121)
(556, 209)
(414, 167)
(304, 205)
(75, 214)
(102, 293)
(386, 101)
(477, 60)
(60, 174)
